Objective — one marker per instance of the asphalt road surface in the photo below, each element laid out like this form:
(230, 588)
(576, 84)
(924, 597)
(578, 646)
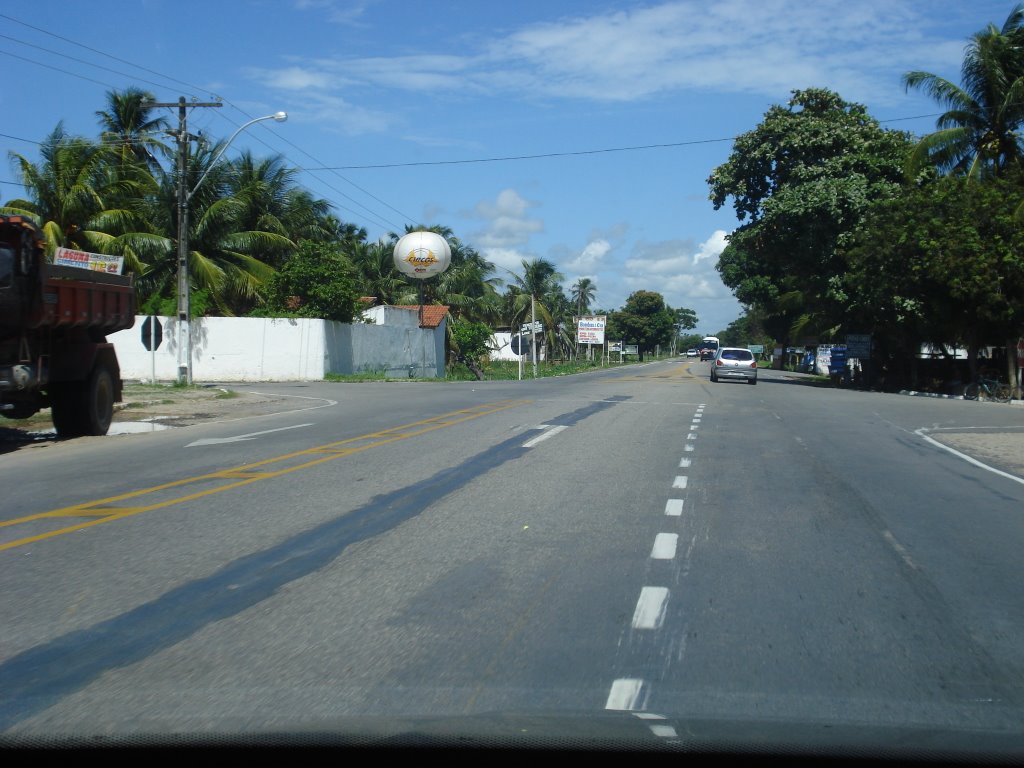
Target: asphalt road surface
(628, 541)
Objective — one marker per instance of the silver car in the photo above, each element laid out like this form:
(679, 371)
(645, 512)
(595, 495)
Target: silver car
(734, 363)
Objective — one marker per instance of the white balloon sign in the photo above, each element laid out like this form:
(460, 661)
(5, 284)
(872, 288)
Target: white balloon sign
(422, 255)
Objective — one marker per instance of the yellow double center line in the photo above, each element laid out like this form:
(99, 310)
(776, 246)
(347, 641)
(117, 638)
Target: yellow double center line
(191, 488)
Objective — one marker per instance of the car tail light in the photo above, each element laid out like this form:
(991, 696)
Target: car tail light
(719, 362)
(754, 364)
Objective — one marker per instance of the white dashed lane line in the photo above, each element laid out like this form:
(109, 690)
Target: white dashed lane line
(544, 436)
(631, 693)
(650, 608)
(664, 546)
(626, 694)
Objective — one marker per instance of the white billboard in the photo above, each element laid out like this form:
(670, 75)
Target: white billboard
(590, 330)
(97, 262)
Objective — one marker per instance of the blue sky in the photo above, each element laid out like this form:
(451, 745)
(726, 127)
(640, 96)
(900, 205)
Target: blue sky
(418, 85)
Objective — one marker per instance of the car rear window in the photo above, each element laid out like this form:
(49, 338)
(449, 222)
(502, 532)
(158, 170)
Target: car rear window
(737, 354)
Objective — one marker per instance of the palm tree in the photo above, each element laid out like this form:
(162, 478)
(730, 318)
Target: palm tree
(129, 128)
(80, 198)
(469, 285)
(227, 260)
(376, 271)
(582, 293)
(272, 201)
(540, 286)
(977, 135)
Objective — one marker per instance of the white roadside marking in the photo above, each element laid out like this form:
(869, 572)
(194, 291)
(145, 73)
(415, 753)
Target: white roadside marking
(688, 447)
(969, 459)
(544, 436)
(650, 608)
(674, 507)
(664, 546)
(240, 438)
(626, 694)
(664, 731)
(692, 436)
(684, 462)
(679, 482)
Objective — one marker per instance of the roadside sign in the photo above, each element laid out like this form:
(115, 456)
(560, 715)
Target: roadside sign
(520, 344)
(152, 333)
(858, 345)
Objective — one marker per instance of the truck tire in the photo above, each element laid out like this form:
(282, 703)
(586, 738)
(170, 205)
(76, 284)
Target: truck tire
(64, 409)
(98, 401)
(84, 407)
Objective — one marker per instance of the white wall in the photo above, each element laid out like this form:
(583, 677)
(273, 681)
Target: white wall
(283, 349)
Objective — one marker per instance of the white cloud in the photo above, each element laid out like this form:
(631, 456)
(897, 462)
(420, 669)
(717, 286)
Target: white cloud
(728, 47)
(712, 247)
(590, 258)
(293, 78)
(510, 259)
(508, 223)
(684, 273)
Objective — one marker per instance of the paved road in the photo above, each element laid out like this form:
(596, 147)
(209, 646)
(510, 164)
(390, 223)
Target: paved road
(636, 540)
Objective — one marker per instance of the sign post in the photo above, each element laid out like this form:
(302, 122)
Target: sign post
(152, 337)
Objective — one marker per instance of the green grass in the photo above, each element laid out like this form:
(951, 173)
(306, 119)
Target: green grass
(370, 376)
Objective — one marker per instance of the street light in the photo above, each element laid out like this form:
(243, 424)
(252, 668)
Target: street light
(184, 197)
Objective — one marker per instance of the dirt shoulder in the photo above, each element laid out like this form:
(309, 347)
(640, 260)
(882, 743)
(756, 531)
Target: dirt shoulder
(1002, 449)
(159, 406)
(183, 406)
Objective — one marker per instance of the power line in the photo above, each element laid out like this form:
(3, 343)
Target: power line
(96, 50)
(575, 153)
(80, 61)
(197, 88)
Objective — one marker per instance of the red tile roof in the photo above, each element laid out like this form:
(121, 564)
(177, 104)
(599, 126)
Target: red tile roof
(433, 314)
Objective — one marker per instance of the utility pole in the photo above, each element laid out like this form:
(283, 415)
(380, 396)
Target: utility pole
(184, 139)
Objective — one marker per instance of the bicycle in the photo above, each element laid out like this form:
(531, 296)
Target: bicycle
(990, 389)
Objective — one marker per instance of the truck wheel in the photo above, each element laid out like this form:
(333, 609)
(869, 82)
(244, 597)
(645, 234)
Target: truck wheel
(65, 410)
(98, 401)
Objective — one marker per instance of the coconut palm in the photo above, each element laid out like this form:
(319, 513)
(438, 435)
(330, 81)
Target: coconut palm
(273, 201)
(80, 198)
(227, 260)
(377, 276)
(540, 286)
(978, 133)
(130, 128)
(582, 293)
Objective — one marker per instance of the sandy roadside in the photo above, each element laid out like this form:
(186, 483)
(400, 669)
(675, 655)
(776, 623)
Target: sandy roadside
(1003, 450)
(160, 406)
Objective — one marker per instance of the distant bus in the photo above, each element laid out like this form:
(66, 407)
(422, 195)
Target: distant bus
(707, 347)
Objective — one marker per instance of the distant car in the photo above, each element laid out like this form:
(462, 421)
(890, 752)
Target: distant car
(706, 353)
(734, 363)
(691, 353)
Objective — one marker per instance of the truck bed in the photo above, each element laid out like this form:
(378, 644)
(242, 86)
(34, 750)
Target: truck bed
(73, 297)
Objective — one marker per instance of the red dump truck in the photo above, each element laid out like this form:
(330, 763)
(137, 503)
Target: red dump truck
(54, 322)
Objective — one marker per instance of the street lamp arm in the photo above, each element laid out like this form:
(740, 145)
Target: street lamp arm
(279, 117)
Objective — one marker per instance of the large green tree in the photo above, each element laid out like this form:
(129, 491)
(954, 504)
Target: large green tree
(979, 133)
(942, 263)
(644, 320)
(317, 281)
(801, 183)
